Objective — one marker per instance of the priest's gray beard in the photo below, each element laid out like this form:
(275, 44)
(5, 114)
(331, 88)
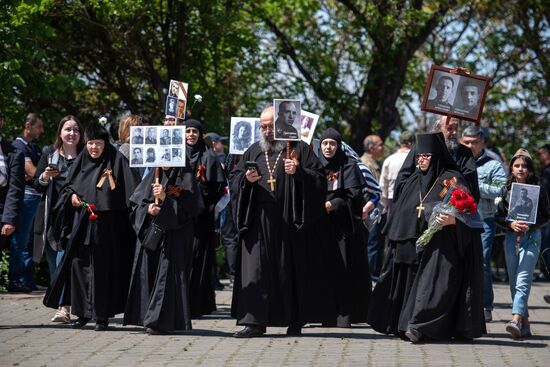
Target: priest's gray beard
(274, 146)
(452, 145)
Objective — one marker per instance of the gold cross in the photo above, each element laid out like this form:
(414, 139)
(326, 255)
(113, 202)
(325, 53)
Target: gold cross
(271, 182)
(420, 208)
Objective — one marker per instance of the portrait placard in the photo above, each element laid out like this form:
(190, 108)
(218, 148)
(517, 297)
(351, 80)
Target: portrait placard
(176, 101)
(309, 123)
(455, 92)
(161, 146)
(524, 201)
(243, 134)
(287, 124)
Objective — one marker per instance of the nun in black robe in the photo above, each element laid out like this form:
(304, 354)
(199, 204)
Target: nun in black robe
(159, 287)
(278, 280)
(346, 236)
(435, 294)
(94, 273)
(212, 181)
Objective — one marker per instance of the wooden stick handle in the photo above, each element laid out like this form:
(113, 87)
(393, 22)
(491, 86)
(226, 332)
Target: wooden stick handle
(287, 149)
(157, 180)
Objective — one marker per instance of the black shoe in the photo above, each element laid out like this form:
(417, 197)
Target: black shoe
(80, 322)
(19, 289)
(294, 331)
(250, 332)
(154, 331)
(101, 324)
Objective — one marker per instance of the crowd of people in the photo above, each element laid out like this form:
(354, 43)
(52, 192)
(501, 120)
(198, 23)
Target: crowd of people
(307, 229)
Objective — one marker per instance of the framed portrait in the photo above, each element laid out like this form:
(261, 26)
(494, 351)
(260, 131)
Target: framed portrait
(309, 123)
(524, 201)
(242, 134)
(456, 93)
(176, 101)
(161, 146)
(287, 123)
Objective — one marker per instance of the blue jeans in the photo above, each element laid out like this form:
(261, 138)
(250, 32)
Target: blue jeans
(545, 251)
(375, 248)
(20, 258)
(487, 238)
(521, 267)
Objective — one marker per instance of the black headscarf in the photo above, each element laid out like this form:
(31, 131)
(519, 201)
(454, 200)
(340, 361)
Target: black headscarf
(85, 173)
(433, 143)
(193, 152)
(349, 174)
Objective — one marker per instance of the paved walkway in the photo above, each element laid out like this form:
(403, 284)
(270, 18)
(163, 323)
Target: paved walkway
(28, 338)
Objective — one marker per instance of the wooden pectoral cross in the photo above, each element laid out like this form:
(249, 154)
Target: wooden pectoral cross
(271, 182)
(420, 208)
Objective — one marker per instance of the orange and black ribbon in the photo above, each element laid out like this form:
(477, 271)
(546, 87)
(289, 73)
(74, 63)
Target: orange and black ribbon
(173, 190)
(447, 184)
(332, 176)
(107, 174)
(201, 173)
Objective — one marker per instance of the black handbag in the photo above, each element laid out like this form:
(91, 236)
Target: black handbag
(152, 237)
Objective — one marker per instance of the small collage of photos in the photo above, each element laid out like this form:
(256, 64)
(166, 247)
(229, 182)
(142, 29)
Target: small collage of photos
(157, 146)
(176, 102)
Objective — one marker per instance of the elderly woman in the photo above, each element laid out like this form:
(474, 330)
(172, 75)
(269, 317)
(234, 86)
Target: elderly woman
(432, 294)
(522, 240)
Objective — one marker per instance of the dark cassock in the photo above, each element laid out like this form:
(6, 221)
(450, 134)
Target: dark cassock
(94, 273)
(436, 293)
(346, 239)
(277, 280)
(159, 287)
(212, 181)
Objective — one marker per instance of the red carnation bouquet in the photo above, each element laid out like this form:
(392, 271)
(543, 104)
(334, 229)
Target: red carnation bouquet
(457, 203)
(90, 207)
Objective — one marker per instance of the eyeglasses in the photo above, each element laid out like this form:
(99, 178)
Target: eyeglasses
(169, 119)
(424, 155)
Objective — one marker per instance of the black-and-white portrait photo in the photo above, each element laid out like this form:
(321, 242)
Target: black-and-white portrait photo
(165, 137)
(176, 155)
(287, 119)
(523, 203)
(166, 156)
(455, 92)
(151, 155)
(174, 89)
(256, 131)
(309, 123)
(137, 156)
(151, 137)
(171, 106)
(177, 136)
(241, 134)
(137, 135)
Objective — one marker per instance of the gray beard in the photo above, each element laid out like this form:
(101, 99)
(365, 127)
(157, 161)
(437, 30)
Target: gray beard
(452, 145)
(274, 146)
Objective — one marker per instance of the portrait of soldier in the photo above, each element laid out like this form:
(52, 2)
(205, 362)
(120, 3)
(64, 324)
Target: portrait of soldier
(443, 88)
(137, 157)
(523, 207)
(151, 156)
(288, 115)
(177, 136)
(151, 137)
(470, 94)
(138, 136)
(165, 138)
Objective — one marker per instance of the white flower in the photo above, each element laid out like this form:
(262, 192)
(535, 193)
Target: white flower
(498, 200)
(198, 98)
(103, 120)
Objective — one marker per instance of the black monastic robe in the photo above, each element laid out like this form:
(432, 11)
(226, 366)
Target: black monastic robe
(159, 294)
(277, 280)
(94, 274)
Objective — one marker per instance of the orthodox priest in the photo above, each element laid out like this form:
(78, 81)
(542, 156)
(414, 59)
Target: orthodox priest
(434, 294)
(211, 180)
(90, 221)
(346, 237)
(159, 288)
(278, 196)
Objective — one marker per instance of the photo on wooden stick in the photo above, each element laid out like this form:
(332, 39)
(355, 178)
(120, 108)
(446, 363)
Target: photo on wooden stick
(162, 146)
(287, 123)
(241, 135)
(455, 92)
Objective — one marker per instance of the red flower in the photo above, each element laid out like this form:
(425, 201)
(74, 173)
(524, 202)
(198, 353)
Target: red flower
(93, 217)
(92, 207)
(463, 202)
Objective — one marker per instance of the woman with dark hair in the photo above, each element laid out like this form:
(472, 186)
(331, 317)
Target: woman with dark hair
(211, 180)
(90, 220)
(437, 293)
(159, 287)
(51, 172)
(522, 242)
(346, 238)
